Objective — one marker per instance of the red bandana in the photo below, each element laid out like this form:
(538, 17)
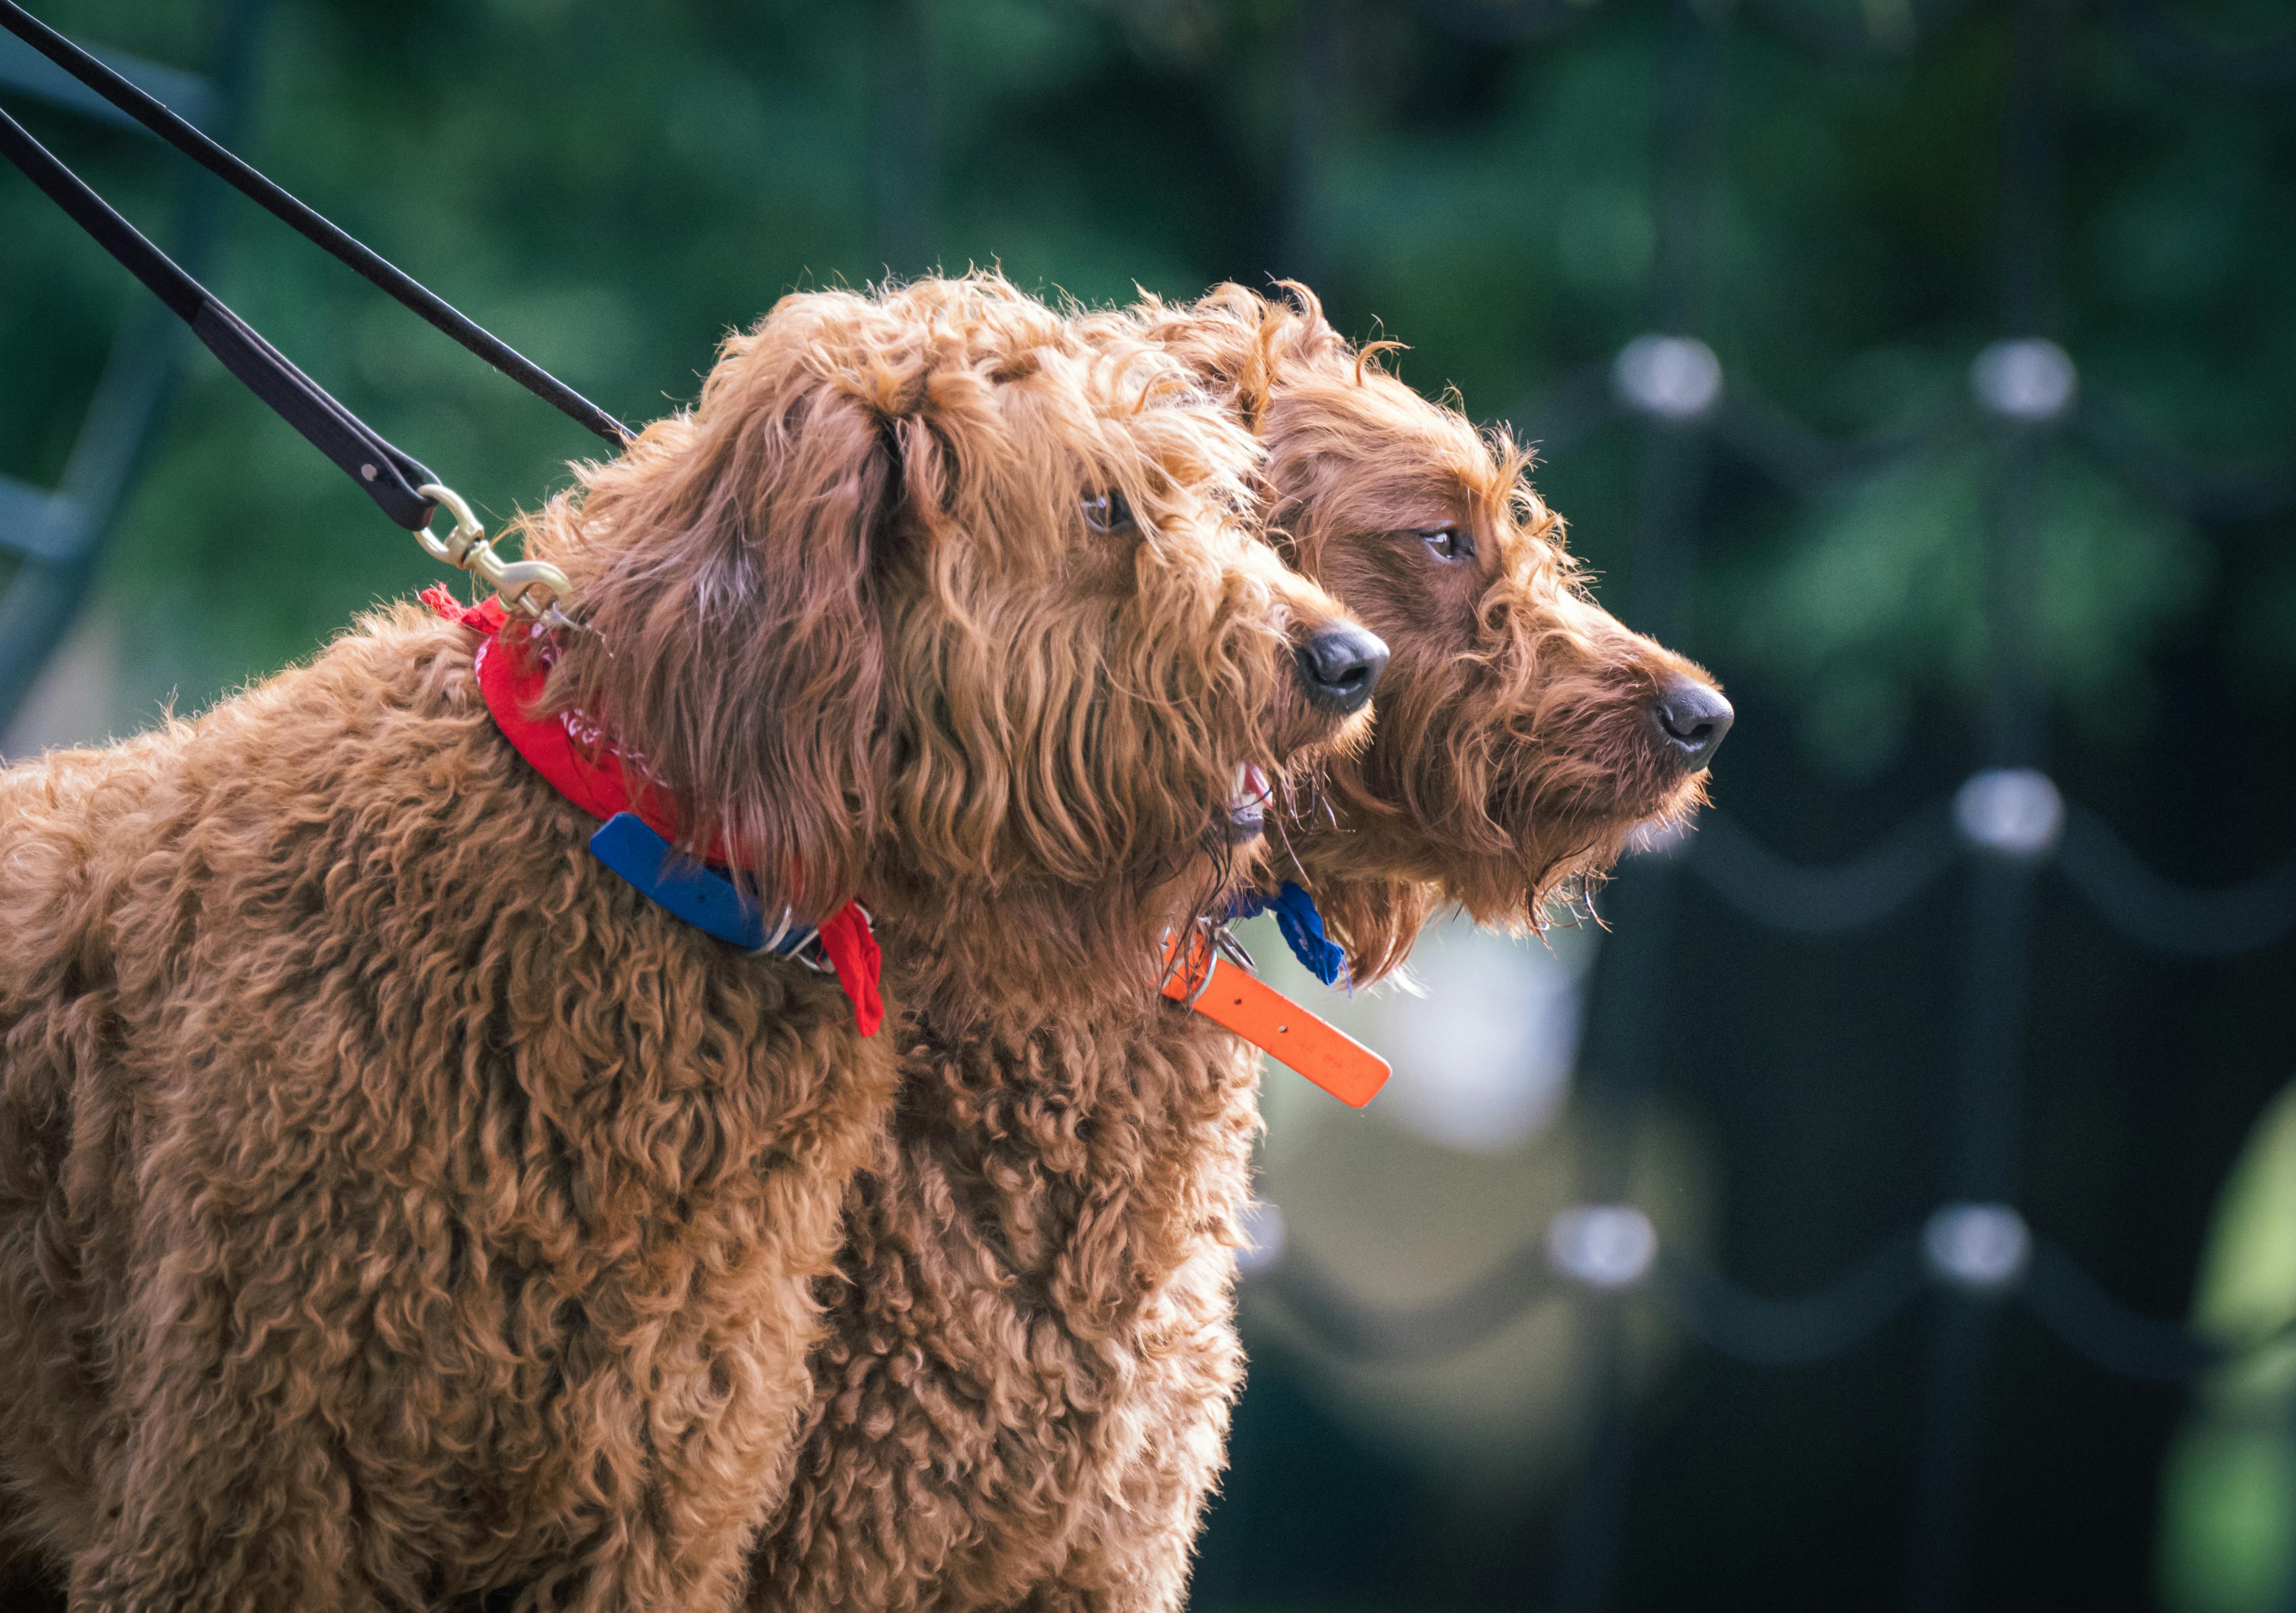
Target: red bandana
(582, 763)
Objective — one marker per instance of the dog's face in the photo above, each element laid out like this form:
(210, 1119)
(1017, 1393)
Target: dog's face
(930, 601)
(1523, 734)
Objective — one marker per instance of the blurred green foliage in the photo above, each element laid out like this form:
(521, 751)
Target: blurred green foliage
(1883, 595)
(612, 188)
(2228, 1495)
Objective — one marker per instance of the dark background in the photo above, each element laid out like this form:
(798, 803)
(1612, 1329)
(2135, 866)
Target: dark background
(1846, 201)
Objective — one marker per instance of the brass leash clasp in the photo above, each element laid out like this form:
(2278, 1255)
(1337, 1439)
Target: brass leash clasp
(531, 588)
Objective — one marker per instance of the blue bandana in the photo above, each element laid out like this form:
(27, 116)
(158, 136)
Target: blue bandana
(1303, 929)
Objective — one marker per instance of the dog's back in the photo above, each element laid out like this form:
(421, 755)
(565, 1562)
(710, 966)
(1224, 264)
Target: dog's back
(70, 824)
(130, 890)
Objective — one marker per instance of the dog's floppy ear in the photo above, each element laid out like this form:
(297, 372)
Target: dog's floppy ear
(727, 570)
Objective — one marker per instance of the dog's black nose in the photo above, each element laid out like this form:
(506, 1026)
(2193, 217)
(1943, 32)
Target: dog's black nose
(1340, 666)
(1691, 719)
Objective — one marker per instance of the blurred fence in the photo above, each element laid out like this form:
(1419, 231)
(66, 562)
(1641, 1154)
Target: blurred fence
(2005, 829)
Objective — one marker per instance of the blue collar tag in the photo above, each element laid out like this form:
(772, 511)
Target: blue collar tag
(1301, 924)
(701, 895)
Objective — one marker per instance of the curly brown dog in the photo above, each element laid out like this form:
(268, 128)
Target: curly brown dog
(396, 1206)
(1524, 734)
(1022, 1398)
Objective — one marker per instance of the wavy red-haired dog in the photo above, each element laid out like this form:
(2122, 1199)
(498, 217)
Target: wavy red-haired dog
(397, 1209)
(1524, 734)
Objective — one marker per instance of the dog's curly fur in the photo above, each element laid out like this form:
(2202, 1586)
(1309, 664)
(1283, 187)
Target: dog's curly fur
(395, 1208)
(1021, 1400)
(1022, 1397)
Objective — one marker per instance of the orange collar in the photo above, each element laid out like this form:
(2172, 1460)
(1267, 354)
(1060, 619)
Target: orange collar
(1240, 1001)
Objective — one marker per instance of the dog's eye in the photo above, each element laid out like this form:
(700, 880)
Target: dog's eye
(1106, 512)
(1447, 543)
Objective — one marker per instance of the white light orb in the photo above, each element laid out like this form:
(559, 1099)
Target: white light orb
(1667, 377)
(2029, 379)
(1483, 1060)
(2010, 812)
(1601, 1246)
(1983, 1248)
(1262, 1226)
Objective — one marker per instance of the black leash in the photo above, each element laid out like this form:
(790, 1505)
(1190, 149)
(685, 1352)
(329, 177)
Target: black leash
(392, 479)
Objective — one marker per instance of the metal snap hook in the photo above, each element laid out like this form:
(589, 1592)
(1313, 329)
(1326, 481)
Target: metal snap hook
(531, 588)
(467, 532)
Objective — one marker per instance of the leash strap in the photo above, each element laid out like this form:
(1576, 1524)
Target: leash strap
(321, 232)
(1238, 1001)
